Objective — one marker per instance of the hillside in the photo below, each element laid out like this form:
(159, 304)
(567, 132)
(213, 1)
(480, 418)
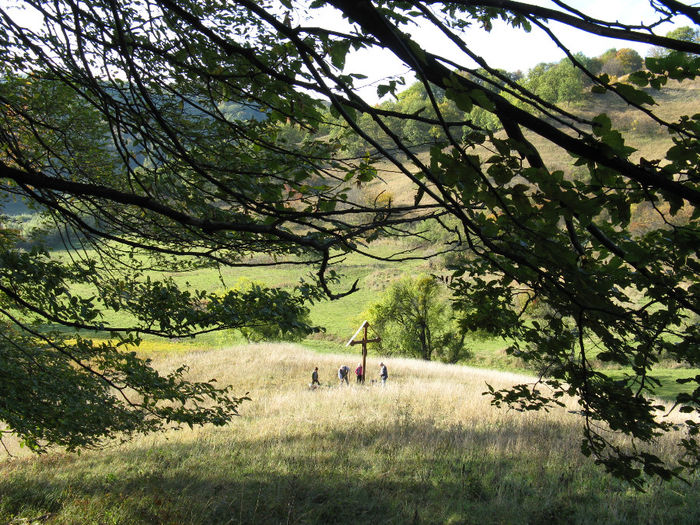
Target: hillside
(340, 318)
(427, 448)
(640, 132)
(214, 206)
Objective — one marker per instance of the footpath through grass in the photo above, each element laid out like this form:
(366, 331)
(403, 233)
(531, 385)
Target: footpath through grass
(428, 448)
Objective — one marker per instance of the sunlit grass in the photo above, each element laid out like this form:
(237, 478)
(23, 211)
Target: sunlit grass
(427, 448)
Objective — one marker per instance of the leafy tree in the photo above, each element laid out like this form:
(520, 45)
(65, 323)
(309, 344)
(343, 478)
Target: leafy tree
(268, 327)
(620, 62)
(630, 60)
(153, 165)
(413, 100)
(560, 82)
(685, 33)
(415, 319)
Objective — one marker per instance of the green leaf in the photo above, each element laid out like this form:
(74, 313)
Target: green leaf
(501, 175)
(601, 124)
(653, 65)
(338, 50)
(383, 89)
(481, 98)
(633, 95)
(680, 152)
(461, 98)
(639, 78)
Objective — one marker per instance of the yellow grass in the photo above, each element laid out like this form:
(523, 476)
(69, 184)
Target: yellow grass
(444, 396)
(428, 446)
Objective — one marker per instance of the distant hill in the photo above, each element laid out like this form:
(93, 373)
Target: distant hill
(640, 131)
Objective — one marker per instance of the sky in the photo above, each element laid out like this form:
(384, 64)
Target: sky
(504, 47)
(514, 50)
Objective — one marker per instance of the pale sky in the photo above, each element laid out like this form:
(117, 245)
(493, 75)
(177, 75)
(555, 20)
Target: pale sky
(503, 47)
(513, 50)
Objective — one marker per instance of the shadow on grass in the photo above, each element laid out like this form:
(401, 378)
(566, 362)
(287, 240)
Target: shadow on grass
(407, 472)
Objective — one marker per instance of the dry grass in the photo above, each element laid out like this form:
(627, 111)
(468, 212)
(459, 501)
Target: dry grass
(426, 448)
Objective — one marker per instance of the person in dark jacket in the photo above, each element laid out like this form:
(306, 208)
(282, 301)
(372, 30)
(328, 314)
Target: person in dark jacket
(314, 377)
(383, 374)
(343, 372)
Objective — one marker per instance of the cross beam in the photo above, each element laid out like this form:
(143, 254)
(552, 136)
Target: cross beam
(363, 327)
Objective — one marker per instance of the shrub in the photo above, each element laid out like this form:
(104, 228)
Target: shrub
(414, 318)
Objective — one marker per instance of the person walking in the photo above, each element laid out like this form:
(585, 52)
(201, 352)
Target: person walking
(343, 372)
(383, 374)
(314, 378)
(358, 373)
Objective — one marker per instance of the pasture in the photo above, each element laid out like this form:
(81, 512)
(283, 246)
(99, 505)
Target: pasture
(427, 448)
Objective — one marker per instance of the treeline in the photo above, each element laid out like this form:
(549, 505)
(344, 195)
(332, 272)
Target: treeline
(567, 81)
(554, 82)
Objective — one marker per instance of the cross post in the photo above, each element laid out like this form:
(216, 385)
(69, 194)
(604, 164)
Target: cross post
(363, 328)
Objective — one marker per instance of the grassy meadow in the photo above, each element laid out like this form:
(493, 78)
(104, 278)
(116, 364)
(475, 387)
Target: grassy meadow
(427, 448)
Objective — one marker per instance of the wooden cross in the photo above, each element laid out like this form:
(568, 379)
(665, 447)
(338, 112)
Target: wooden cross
(363, 342)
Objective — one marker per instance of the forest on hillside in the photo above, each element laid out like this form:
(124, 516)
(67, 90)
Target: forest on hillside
(554, 82)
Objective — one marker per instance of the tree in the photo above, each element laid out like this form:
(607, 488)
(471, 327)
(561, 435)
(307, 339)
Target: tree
(415, 319)
(561, 82)
(685, 33)
(168, 173)
(616, 62)
(629, 60)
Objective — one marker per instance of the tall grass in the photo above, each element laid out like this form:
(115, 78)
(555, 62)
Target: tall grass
(427, 448)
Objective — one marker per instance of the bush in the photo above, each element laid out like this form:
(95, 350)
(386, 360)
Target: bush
(270, 331)
(414, 318)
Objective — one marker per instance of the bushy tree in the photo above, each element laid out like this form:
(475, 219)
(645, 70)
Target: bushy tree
(414, 318)
(560, 82)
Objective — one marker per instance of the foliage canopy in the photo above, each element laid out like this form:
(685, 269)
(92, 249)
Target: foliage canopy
(156, 126)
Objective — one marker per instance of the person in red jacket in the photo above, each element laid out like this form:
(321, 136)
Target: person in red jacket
(358, 373)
